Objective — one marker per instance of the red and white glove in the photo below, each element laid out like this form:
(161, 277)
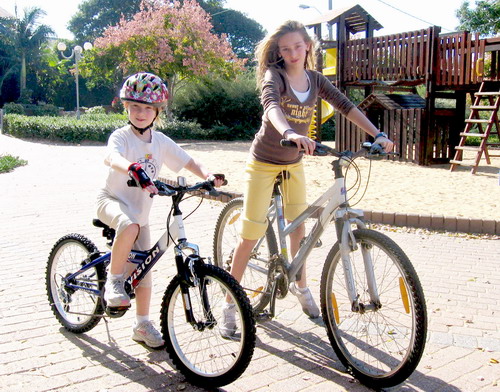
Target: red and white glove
(137, 173)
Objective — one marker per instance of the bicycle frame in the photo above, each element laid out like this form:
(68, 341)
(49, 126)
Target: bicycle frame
(335, 207)
(145, 260)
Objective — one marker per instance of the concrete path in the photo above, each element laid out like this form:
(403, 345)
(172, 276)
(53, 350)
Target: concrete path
(54, 195)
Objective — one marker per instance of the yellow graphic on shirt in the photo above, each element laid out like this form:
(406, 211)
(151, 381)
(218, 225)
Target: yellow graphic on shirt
(294, 113)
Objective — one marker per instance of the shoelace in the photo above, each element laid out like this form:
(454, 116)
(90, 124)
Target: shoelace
(117, 285)
(151, 330)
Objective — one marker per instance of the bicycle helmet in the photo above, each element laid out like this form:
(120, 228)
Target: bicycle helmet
(145, 88)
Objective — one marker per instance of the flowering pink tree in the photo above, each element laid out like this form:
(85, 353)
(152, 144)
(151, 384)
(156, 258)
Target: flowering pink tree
(169, 38)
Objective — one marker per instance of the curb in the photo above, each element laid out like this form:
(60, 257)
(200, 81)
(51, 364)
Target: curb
(417, 221)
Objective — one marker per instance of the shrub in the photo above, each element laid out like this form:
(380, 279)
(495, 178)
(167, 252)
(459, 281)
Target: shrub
(31, 110)
(14, 108)
(228, 109)
(96, 110)
(95, 127)
(9, 163)
(177, 129)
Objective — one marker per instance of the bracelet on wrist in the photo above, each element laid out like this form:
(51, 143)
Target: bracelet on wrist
(381, 134)
(287, 132)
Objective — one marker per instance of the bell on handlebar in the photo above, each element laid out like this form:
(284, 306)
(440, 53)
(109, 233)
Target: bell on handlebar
(181, 181)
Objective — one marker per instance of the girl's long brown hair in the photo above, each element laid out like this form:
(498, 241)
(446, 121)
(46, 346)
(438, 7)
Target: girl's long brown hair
(267, 51)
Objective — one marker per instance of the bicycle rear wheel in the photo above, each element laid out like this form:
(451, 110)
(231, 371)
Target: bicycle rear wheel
(255, 281)
(380, 347)
(198, 350)
(77, 310)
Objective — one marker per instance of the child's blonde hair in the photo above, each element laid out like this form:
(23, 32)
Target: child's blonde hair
(267, 51)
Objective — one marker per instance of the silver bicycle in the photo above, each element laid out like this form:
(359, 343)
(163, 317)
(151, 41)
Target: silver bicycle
(372, 302)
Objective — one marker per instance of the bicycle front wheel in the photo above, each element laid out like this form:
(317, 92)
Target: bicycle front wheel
(77, 310)
(380, 345)
(200, 350)
(255, 280)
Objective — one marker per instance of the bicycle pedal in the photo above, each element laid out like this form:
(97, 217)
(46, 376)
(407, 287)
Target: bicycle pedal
(263, 316)
(116, 311)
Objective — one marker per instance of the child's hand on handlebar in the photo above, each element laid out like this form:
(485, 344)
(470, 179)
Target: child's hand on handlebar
(141, 179)
(217, 179)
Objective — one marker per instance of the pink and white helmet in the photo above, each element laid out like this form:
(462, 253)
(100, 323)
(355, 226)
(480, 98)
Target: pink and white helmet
(145, 88)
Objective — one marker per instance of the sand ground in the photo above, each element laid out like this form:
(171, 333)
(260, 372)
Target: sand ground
(393, 186)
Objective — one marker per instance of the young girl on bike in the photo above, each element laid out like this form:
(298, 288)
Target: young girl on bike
(137, 151)
(289, 88)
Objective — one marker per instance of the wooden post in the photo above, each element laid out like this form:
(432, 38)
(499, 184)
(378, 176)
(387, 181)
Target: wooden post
(426, 147)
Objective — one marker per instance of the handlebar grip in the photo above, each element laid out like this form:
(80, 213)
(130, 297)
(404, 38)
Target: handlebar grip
(287, 143)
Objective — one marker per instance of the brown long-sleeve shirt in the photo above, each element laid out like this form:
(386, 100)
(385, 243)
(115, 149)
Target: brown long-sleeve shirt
(276, 92)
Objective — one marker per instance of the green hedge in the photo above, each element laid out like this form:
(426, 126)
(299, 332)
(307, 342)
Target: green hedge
(97, 127)
(94, 127)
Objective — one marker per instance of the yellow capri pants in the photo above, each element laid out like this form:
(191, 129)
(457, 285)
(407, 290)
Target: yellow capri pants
(259, 182)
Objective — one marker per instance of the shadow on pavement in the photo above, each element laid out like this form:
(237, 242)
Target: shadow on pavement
(314, 355)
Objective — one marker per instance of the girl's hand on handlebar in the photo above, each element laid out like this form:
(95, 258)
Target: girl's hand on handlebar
(302, 142)
(385, 142)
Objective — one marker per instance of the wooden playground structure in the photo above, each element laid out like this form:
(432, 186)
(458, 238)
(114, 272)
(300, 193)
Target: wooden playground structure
(428, 130)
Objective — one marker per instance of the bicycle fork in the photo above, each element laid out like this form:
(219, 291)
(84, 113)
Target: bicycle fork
(348, 244)
(189, 273)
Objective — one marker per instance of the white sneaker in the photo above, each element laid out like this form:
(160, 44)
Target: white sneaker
(147, 333)
(114, 293)
(306, 299)
(228, 326)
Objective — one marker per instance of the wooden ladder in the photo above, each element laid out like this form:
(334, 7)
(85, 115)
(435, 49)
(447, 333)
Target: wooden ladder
(489, 91)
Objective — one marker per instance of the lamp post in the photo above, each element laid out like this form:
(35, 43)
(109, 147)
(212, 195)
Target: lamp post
(305, 6)
(76, 52)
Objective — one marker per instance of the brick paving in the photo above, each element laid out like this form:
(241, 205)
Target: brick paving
(54, 195)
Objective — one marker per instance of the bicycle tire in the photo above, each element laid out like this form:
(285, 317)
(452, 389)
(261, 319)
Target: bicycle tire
(204, 357)
(256, 280)
(77, 311)
(380, 348)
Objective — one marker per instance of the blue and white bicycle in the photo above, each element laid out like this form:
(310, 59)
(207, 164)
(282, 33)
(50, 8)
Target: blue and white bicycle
(192, 306)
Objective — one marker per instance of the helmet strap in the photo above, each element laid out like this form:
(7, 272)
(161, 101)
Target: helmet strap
(142, 130)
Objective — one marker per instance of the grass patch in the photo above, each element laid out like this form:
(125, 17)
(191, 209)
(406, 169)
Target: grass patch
(9, 163)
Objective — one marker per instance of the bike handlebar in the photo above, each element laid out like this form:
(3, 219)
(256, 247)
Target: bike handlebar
(367, 150)
(165, 189)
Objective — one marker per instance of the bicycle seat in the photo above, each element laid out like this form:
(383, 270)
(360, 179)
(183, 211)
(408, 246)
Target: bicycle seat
(107, 232)
(284, 175)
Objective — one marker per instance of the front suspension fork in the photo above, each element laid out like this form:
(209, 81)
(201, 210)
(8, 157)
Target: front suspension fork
(348, 245)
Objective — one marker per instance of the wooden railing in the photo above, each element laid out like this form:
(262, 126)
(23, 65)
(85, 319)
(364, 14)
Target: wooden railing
(414, 57)
(460, 59)
(404, 56)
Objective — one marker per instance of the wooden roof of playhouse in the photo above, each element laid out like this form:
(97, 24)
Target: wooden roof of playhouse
(392, 101)
(356, 19)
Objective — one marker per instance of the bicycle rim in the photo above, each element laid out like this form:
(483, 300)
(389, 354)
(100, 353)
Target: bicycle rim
(255, 280)
(204, 356)
(78, 311)
(382, 347)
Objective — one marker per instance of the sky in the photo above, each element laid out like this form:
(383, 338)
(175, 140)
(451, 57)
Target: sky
(271, 13)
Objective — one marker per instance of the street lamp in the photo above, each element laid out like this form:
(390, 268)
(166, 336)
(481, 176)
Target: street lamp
(305, 7)
(77, 53)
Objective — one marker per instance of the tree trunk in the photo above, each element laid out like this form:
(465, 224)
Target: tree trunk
(23, 73)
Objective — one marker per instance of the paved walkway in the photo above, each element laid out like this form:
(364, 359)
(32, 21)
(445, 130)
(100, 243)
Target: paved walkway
(54, 195)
